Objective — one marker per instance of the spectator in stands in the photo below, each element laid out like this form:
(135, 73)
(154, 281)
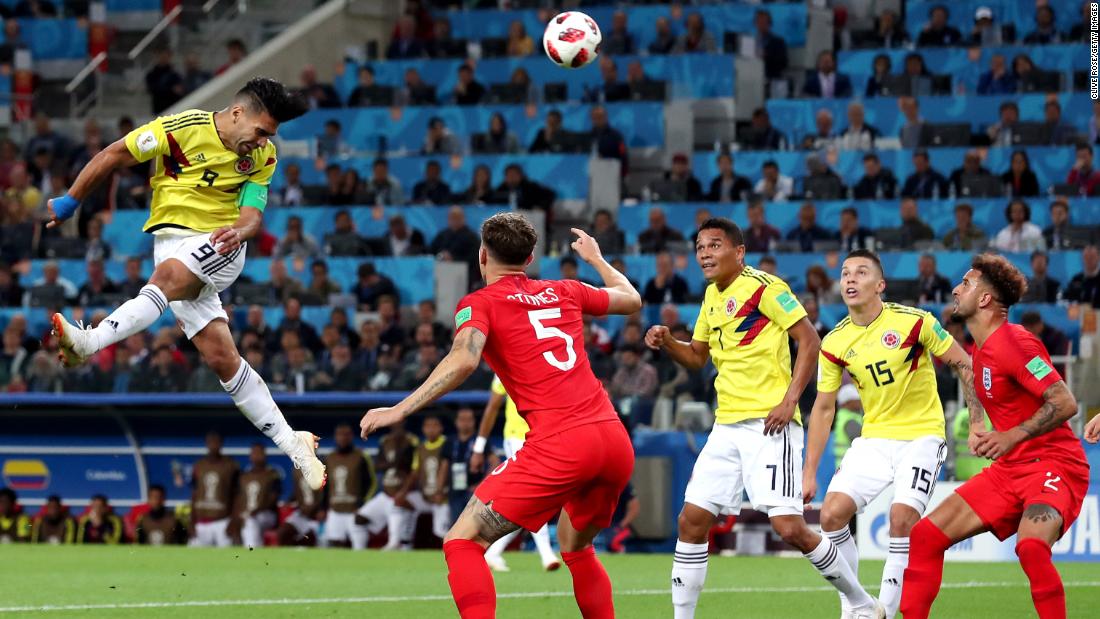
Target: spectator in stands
(998, 80)
(95, 247)
(965, 235)
(695, 38)
(384, 189)
(985, 33)
(1085, 286)
(852, 235)
(878, 183)
(458, 243)
(678, 183)
(519, 43)
(728, 186)
(523, 193)
(283, 286)
(823, 138)
(1024, 69)
(367, 92)
(318, 94)
(338, 318)
(761, 135)
(611, 239)
(404, 43)
(925, 182)
(45, 373)
(370, 346)
(759, 236)
(820, 287)
(520, 78)
(498, 140)
(664, 40)
(1056, 342)
(160, 375)
(292, 321)
(352, 190)
(1057, 235)
(12, 357)
(913, 228)
(100, 525)
(970, 171)
(45, 138)
(658, 237)
(415, 91)
(12, 40)
(1059, 132)
(881, 67)
(439, 140)
(1001, 132)
(640, 86)
(667, 286)
(937, 32)
(480, 190)
(701, 216)
(912, 131)
(889, 31)
(372, 286)
(432, 190)
(773, 186)
(54, 525)
(858, 135)
(468, 91)
(163, 82)
(551, 138)
(96, 285)
(158, 525)
(609, 143)
(235, 52)
(1046, 31)
(610, 90)
(768, 265)
(934, 288)
(1082, 175)
(296, 242)
(416, 371)
(340, 373)
(52, 285)
(443, 45)
(1079, 30)
(194, 76)
(1019, 180)
(635, 379)
(618, 41)
(401, 241)
(330, 143)
(1041, 287)
(321, 286)
(807, 231)
(769, 47)
(826, 82)
(1020, 235)
(293, 193)
(22, 192)
(920, 79)
(426, 312)
(821, 182)
(11, 293)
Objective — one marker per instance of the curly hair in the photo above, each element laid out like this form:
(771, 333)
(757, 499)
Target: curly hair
(509, 237)
(1008, 283)
(262, 94)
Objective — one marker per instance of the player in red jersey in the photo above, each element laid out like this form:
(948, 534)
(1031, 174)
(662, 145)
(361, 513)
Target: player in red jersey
(577, 455)
(1039, 476)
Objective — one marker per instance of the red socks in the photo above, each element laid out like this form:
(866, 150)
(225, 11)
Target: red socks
(1046, 584)
(470, 579)
(927, 543)
(591, 586)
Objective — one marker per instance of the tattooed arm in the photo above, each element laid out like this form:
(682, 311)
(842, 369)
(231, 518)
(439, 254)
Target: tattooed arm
(959, 362)
(1059, 406)
(451, 372)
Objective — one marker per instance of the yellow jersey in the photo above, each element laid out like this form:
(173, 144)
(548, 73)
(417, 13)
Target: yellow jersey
(196, 179)
(890, 362)
(514, 425)
(746, 327)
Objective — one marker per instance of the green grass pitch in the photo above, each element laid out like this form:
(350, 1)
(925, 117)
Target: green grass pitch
(123, 582)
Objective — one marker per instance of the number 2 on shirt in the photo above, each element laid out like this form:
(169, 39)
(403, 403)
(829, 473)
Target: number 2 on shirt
(543, 332)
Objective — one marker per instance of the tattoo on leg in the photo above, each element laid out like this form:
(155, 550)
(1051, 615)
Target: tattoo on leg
(1040, 513)
(491, 525)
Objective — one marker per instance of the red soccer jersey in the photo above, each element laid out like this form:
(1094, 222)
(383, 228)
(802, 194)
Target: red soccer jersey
(1011, 372)
(535, 344)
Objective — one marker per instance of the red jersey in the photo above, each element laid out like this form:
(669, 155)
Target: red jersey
(535, 344)
(1011, 372)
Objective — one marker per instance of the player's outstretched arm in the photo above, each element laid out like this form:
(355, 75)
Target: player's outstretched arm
(809, 346)
(821, 424)
(1059, 406)
(95, 172)
(622, 297)
(455, 368)
(488, 420)
(960, 363)
(692, 355)
(1092, 430)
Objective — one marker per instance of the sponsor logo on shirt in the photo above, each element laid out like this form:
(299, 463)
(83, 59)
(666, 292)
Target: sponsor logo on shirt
(1038, 368)
(787, 302)
(891, 339)
(850, 354)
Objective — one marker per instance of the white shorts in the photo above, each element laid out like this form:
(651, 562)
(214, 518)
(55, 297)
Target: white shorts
(212, 534)
(512, 446)
(740, 458)
(302, 524)
(339, 526)
(872, 464)
(441, 512)
(216, 271)
(376, 511)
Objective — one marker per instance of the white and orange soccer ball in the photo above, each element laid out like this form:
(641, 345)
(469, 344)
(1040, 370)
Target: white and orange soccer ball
(572, 40)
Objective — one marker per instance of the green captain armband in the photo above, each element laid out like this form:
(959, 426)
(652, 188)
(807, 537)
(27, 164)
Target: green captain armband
(254, 195)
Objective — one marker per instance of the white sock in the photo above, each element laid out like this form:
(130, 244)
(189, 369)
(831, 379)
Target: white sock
(689, 572)
(359, 536)
(844, 543)
(250, 394)
(826, 558)
(896, 561)
(133, 316)
(542, 542)
(497, 549)
(397, 526)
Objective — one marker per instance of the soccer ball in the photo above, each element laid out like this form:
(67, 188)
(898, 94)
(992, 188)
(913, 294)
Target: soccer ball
(572, 40)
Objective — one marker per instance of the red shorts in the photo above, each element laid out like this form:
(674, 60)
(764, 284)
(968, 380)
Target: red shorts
(583, 469)
(1001, 492)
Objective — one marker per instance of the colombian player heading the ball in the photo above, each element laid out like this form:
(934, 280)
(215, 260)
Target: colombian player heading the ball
(577, 455)
(745, 326)
(1039, 476)
(209, 192)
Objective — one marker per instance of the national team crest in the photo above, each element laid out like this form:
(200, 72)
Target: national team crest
(987, 379)
(891, 339)
(731, 307)
(244, 165)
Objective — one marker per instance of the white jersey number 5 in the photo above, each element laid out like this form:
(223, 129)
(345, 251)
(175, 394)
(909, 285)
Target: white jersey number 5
(542, 332)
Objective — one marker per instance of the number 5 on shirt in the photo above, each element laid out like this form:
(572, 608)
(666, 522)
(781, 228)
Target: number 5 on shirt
(543, 332)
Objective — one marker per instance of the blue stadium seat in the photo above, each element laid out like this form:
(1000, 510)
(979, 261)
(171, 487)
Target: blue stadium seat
(318, 220)
(413, 276)
(122, 6)
(55, 39)
(1020, 13)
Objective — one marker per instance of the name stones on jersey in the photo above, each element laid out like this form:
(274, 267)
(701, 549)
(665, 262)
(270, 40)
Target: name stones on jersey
(891, 339)
(147, 141)
(545, 297)
(244, 165)
(731, 306)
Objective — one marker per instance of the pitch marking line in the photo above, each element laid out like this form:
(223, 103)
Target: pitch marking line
(440, 598)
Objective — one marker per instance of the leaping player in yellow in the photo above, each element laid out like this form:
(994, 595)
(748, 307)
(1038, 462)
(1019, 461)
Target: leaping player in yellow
(209, 184)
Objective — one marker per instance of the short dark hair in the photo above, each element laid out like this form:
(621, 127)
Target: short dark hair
(1031, 318)
(1083, 146)
(770, 163)
(770, 259)
(849, 210)
(964, 206)
(319, 263)
(1037, 253)
(432, 163)
(99, 497)
(380, 161)
(868, 254)
(1007, 281)
(1008, 210)
(332, 122)
(731, 230)
(263, 94)
(1060, 202)
(1009, 105)
(236, 43)
(341, 213)
(509, 238)
(157, 487)
(366, 269)
(54, 498)
(870, 157)
(567, 260)
(8, 492)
